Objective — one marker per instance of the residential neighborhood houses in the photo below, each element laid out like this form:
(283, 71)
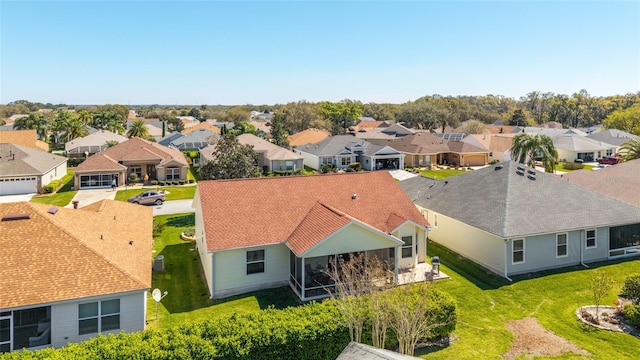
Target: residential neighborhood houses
(321, 200)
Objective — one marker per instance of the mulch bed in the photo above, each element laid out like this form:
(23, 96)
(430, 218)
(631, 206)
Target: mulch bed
(532, 339)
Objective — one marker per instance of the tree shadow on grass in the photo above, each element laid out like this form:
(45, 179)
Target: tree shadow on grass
(277, 298)
(182, 221)
(432, 347)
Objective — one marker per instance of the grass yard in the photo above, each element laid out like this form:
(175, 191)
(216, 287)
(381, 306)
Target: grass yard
(559, 167)
(173, 193)
(188, 295)
(441, 174)
(487, 302)
(193, 174)
(63, 196)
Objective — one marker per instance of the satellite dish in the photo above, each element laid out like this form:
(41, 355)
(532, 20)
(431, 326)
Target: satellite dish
(156, 295)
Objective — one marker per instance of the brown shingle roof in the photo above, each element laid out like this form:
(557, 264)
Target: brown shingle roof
(309, 136)
(251, 212)
(73, 253)
(202, 125)
(134, 148)
(621, 181)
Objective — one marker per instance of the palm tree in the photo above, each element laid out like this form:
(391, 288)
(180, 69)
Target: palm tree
(85, 116)
(35, 122)
(630, 150)
(77, 128)
(138, 129)
(528, 148)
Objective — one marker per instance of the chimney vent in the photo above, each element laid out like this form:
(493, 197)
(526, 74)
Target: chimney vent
(354, 196)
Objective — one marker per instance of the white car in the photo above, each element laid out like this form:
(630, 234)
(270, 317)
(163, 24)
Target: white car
(600, 166)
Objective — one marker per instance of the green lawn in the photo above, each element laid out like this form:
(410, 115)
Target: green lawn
(193, 174)
(173, 193)
(441, 174)
(559, 167)
(188, 295)
(63, 196)
(487, 302)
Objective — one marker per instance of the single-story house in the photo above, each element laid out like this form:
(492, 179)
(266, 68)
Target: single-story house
(273, 158)
(380, 134)
(137, 156)
(27, 138)
(612, 136)
(203, 125)
(621, 181)
(269, 232)
(513, 219)
(343, 150)
(572, 147)
(308, 136)
(424, 149)
(191, 141)
(25, 170)
(498, 145)
(74, 273)
(92, 143)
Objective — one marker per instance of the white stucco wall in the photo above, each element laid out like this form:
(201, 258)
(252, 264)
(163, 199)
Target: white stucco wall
(309, 160)
(201, 242)
(419, 245)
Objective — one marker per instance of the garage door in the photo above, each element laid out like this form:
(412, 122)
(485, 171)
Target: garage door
(96, 181)
(15, 186)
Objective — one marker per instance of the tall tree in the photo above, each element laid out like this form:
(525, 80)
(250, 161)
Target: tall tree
(35, 122)
(420, 114)
(472, 127)
(342, 114)
(630, 150)
(518, 118)
(528, 148)
(231, 160)
(85, 116)
(625, 119)
(138, 129)
(278, 132)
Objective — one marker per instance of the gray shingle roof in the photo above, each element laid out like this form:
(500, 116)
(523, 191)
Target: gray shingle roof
(335, 145)
(612, 136)
(501, 202)
(26, 161)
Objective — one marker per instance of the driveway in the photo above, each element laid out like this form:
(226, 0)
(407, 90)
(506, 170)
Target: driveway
(174, 207)
(401, 174)
(15, 198)
(86, 197)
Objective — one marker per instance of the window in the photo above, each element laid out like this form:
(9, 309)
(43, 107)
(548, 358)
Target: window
(590, 238)
(561, 245)
(345, 161)
(609, 152)
(327, 160)
(518, 251)
(288, 164)
(98, 316)
(136, 170)
(255, 262)
(392, 253)
(173, 173)
(407, 248)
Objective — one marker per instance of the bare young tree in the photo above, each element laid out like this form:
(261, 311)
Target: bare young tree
(601, 285)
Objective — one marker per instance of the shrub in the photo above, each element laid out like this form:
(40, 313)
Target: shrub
(631, 288)
(632, 314)
(133, 177)
(356, 166)
(175, 182)
(493, 162)
(73, 162)
(154, 182)
(181, 182)
(573, 166)
(191, 181)
(579, 161)
(49, 188)
(326, 168)
(162, 183)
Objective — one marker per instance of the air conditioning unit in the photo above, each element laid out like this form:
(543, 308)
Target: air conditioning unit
(158, 263)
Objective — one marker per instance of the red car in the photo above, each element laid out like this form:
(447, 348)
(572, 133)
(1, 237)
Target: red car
(609, 160)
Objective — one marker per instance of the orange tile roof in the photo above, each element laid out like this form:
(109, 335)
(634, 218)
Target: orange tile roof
(250, 212)
(369, 125)
(73, 253)
(202, 125)
(25, 138)
(320, 222)
(309, 136)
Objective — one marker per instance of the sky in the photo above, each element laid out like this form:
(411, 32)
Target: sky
(267, 52)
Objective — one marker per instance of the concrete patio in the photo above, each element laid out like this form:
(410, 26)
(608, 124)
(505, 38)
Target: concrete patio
(420, 273)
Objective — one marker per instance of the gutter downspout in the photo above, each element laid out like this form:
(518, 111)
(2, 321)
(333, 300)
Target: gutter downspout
(583, 239)
(505, 260)
(395, 259)
(213, 275)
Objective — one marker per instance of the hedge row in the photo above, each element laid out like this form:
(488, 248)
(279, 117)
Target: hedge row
(312, 331)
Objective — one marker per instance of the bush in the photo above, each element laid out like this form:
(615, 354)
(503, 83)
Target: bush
(356, 166)
(493, 162)
(154, 182)
(180, 182)
(632, 314)
(73, 162)
(175, 182)
(631, 288)
(579, 161)
(133, 177)
(51, 187)
(191, 181)
(327, 168)
(162, 183)
(573, 166)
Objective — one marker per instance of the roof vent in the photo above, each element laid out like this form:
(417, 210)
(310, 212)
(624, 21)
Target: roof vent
(52, 210)
(520, 172)
(531, 172)
(520, 168)
(354, 196)
(131, 242)
(498, 167)
(11, 217)
(531, 177)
